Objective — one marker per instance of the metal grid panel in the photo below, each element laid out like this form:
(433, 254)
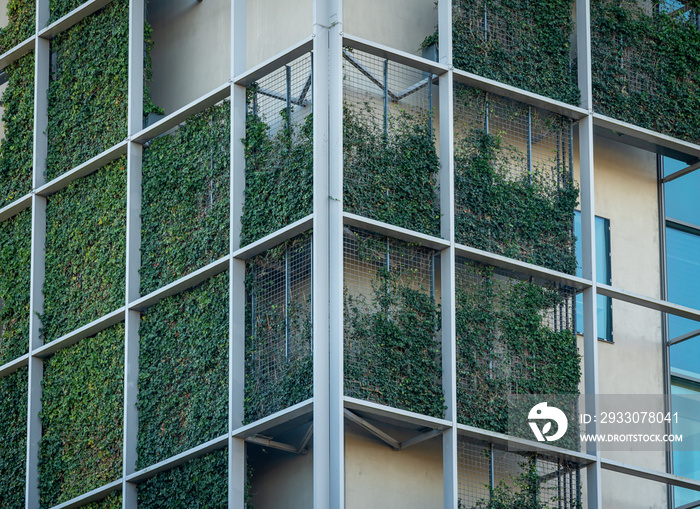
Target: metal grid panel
(527, 154)
(390, 281)
(284, 97)
(490, 302)
(490, 476)
(278, 349)
(389, 150)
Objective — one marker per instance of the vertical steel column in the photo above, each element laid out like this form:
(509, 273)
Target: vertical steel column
(590, 322)
(133, 252)
(42, 50)
(447, 256)
(386, 99)
(327, 253)
(236, 446)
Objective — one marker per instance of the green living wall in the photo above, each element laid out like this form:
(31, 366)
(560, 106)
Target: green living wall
(21, 23)
(279, 362)
(391, 175)
(646, 65)
(185, 206)
(201, 483)
(18, 124)
(88, 89)
(524, 44)
(514, 336)
(15, 265)
(183, 371)
(81, 416)
(85, 250)
(13, 437)
(279, 172)
(392, 325)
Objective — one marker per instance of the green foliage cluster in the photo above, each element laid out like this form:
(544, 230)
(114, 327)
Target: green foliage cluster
(88, 89)
(279, 362)
(81, 416)
(200, 483)
(392, 351)
(15, 261)
(21, 23)
(524, 44)
(505, 345)
(185, 207)
(278, 174)
(183, 371)
(112, 501)
(526, 491)
(392, 176)
(85, 250)
(18, 122)
(646, 66)
(13, 437)
(60, 8)
(524, 216)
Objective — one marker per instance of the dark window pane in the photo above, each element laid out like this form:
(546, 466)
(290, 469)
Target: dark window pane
(604, 304)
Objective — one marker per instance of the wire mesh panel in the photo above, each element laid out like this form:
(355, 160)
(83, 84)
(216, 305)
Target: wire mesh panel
(390, 161)
(279, 150)
(392, 354)
(644, 69)
(525, 44)
(489, 477)
(279, 366)
(514, 336)
(514, 188)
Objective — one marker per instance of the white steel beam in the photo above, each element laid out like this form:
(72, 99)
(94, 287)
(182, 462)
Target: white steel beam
(71, 19)
(17, 52)
(15, 207)
(237, 476)
(519, 94)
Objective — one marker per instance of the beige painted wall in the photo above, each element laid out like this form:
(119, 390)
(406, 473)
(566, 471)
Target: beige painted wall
(626, 194)
(192, 49)
(274, 25)
(377, 476)
(400, 24)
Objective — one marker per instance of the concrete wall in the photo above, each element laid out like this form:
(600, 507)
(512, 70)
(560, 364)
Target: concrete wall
(400, 24)
(274, 25)
(192, 49)
(378, 476)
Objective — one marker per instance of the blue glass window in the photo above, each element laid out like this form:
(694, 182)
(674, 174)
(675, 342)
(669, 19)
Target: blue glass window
(603, 275)
(686, 460)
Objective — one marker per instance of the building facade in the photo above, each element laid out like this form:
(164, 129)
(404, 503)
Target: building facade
(309, 254)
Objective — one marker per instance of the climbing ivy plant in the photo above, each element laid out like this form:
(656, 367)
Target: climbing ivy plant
(13, 436)
(279, 362)
(15, 260)
(527, 216)
(185, 207)
(524, 44)
(646, 65)
(21, 16)
(391, 176)
(60, 8)
(514, 336)
(526, 490)
(279, 174)
(392, 351)
(88, 89)
(85, 250)
(18, 125)
(201, 483)
(81, 416)
(183, 371)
